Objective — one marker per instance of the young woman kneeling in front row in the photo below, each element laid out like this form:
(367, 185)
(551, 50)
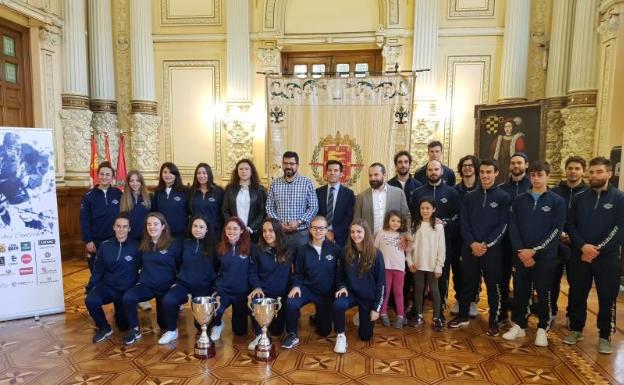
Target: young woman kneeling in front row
(360, 280)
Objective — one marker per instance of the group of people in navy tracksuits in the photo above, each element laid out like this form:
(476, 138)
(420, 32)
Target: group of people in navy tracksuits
(205, 240)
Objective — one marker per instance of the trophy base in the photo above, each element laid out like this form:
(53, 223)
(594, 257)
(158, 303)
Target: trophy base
(205, 352)
(265, 353)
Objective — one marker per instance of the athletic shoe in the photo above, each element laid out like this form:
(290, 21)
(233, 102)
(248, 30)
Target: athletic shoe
(181, 308)
(254, 342)
(541, 338)
(515, 332)
(458, 322)
(290, 341)
(573, 338)
(604, 346)
(133, 336)
(438, 325)
(455, 308)
(145, 306)
(493, 330)
(474, 310)
(341, 343)
(102, 333)
(168, 337)
(356, 319)
(385, 320)
(215, 332)
(398, 322)
(417, 321)
(503, 320)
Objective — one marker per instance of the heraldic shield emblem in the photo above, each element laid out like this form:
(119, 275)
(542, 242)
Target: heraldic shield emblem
(343, 149)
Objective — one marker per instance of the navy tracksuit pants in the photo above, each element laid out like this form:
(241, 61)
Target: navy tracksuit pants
(176, 296)
(141, 293)
(342, 304)
(539, 277)
(103, 294)
(239, 311)
(323, 316)
(490, 266)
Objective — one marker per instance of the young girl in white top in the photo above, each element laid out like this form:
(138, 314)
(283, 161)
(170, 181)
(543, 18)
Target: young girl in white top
(426, 259)
(388, 241)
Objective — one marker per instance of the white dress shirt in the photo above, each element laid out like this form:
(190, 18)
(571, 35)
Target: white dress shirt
(243, 201)
(379, 207)
(336, 187)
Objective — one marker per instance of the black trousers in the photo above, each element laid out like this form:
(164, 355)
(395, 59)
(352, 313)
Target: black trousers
(539, 277)
(604, 270)
(507, 259)
(491, 267)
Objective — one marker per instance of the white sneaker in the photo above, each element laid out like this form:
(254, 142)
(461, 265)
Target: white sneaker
(181, 308)
(341, 343)
(215, 332)
(541, 338)
(168, 337)
(145, 306)
(455, 308)
(474, 310)
(356, 319)
(254, 342)
(515, 332)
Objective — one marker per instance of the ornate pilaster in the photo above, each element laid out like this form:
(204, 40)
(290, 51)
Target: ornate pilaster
(392, 55)
(76, 125)
(270, 59)
(423, 131)
(578, 132)
(515, 51)
(554, 135)
(123, 77)
(538, 49)
(102, 76)
(144, 143)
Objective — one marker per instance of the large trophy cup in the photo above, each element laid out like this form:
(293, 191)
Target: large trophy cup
(264, 310)
(204, 308)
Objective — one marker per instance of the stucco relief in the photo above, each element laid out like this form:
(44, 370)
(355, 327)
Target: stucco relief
(76, 138)
(144, 142)
(578, 132)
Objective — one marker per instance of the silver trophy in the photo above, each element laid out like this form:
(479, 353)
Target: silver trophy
(204, 308)
(264, 310)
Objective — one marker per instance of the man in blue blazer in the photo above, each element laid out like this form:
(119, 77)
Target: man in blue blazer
(336, 203)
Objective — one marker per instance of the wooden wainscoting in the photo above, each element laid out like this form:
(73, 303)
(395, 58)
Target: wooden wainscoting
(68, 200)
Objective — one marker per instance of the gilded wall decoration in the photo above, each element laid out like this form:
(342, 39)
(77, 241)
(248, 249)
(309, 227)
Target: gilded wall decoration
(76, 125)
(578, 132)
(538, 48)
(144, 142)
(123, 75)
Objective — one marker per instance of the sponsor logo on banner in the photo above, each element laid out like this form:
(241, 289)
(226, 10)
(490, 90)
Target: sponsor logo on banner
(13, 261)
(46, 242)
(3, 248)
(2, 262)
(26, 259)
(21, 283)
(25, 246)
(26, 270)
(49, 280)
(13, 247)
(47, 270)
(6, 273)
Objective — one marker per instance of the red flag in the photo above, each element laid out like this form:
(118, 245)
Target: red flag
(93, 164)
(106, 148)
(121, 163)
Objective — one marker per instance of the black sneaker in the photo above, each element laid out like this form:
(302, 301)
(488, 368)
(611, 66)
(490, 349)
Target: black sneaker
(438, 325)
(493, 330)
(133, 336)
(102, 333)
(290, 341)
(458, 322)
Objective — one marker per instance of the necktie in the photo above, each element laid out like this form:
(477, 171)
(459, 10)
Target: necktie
(330, 206)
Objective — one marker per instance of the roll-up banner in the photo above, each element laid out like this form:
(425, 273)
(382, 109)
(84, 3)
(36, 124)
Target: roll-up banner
(31, 281)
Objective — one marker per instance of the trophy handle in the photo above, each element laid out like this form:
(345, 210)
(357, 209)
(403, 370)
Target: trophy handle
(249, 305)
(218, 301)
(279, 304)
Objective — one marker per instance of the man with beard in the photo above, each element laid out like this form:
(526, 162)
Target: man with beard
(517, 184)
(567, 189)
(537, 219)
(596, 227)
(292, 201)
(447, 201)
(373, 203)
(484, 219)
(434, 152)
(336, 203)
(403, 179)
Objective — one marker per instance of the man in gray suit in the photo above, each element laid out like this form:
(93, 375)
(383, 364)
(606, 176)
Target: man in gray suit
(373, 203)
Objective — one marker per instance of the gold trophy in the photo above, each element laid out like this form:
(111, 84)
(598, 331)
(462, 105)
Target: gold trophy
(204, 308)
(264, 310)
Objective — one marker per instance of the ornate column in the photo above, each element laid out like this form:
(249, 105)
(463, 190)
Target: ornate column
(557, 81)
(75, 114)
(145, 120)
(515, 51)
(580, 113)
(425, 120)
(102, 76)
(237, 122)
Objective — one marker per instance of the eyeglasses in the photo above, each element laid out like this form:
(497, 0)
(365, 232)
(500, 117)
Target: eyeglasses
(469, 165)
(318, 228)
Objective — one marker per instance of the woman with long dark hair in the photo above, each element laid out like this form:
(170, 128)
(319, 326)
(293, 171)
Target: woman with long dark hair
(160, 261)
(197, 275)
(360, 280)
(245, 197)
(206, 198)
(270, 276)
(234, 251)
(171, 199)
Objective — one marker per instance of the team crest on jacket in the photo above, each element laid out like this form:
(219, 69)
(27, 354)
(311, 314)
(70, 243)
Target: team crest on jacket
(128, 258)
(329, 257)
(608, 206)
(546, 209)
(243, 256)
(493, 205)
(164, 251)
(177, 199)
(115, 201)
(443, 200)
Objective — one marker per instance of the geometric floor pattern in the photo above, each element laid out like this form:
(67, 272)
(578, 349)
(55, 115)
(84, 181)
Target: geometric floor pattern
(58, 350)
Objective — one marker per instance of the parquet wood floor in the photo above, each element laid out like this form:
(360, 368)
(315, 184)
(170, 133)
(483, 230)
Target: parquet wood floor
(58, 350)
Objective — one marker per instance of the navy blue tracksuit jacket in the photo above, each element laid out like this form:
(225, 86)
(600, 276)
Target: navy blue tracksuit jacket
(98, 210)
(482, 219)
(317, 273)
(270, 275)
(370, 286)
(198, 270)
(174, 206)
(116, 265)
(160, 267)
